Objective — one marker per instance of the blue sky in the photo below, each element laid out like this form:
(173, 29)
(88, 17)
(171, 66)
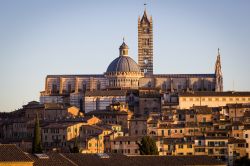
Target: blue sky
(83, 36)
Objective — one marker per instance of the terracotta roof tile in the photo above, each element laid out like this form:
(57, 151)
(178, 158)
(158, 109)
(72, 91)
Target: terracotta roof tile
(10, 152)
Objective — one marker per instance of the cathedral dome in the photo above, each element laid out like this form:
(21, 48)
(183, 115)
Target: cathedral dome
(123, 64)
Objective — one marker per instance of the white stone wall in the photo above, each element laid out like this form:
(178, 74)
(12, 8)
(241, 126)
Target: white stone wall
(104, 101)
(51, 99)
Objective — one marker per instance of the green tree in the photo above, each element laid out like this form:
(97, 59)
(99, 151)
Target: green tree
(75, 148)
(36, 144)
(147, 146)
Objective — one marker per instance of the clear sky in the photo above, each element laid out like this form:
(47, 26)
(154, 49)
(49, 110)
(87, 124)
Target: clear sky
(40, 37)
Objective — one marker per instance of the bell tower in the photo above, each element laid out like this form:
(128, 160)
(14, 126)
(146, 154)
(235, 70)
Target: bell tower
(145, 44)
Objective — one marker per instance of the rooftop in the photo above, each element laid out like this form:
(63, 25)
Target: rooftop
(11, 153)
(229, 93)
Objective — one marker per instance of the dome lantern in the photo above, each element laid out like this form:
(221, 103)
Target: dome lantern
(123, 49)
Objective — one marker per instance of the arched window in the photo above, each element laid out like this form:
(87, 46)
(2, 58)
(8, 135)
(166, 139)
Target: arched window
(54, 88)
(194, 86)
(164, 86)
(146, 111)
(84, 87)
(98, 86)
(209, 86)
(69, 87)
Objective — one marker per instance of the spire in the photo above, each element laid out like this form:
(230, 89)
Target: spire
(123, 48)
(218, 74)
(145, 16)
(218, 63)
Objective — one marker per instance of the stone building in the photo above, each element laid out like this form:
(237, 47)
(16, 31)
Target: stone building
(124, 73)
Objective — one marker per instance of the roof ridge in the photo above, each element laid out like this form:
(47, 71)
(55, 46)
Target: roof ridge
(68, 159)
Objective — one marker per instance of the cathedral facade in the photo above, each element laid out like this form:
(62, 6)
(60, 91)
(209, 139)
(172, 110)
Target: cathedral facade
(124, 73)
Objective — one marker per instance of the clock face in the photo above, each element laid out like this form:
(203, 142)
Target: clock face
(145, 61)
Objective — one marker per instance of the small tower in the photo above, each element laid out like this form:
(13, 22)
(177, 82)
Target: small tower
(145, 44)
(123, 49)
(218, 74)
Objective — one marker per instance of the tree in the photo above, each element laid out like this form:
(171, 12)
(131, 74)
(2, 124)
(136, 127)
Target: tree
(81, 106)
(75, 148)
(36, 144)
(147, 146)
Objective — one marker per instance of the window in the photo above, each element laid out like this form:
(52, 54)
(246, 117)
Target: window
(169, 132)
(54, 88)
(246, 135)
(149, 84)
(209, 99)
(164, 86)
(180, 146)
(209, 87)
(84, 87)
(162, 132)
(69, 88)
(98, 86)
(136, 150)
(189, 146)
(184, 99)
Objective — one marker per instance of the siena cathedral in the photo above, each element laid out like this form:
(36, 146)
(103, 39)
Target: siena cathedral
(125, 79)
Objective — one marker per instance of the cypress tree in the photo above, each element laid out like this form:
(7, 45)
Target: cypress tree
(75, 149)
(36, 144)
(147, 146)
